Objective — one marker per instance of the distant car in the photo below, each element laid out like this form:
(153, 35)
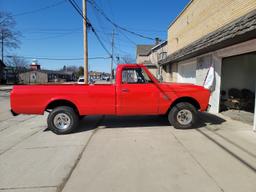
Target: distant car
(80, 80)
(105, 78)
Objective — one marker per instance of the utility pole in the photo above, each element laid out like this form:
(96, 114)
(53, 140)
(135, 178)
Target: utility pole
(2, 43)
(85, 42)
(112, 56)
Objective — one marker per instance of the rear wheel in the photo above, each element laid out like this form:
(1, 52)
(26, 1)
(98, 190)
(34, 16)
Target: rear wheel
(62, 120)
(183, 115)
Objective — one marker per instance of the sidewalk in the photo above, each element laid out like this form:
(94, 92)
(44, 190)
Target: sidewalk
(220, 155)
(6, 87)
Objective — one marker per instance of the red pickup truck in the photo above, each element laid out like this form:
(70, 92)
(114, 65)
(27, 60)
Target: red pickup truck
(135, 92)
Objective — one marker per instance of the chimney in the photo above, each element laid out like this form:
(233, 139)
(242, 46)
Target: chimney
(35, 66)
(157, 40)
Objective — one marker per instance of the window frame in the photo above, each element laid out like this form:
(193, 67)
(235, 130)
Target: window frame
(143, 72)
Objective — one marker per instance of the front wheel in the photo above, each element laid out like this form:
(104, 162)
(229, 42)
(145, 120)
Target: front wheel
(183, 115)
(62, 120)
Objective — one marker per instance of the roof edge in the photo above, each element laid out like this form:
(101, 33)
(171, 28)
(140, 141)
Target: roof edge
(179, 15)
(158, 45)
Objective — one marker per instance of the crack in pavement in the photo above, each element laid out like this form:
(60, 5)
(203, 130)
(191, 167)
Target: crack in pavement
(23, 120)
(18, 122)
(18, 142)
(199, 164)
(209, 128)
(32, 187)
(231, 153)
(65, 180)
(52, 147)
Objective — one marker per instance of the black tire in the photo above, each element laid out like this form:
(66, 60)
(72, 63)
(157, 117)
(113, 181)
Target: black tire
(175, 117)
(70, 113)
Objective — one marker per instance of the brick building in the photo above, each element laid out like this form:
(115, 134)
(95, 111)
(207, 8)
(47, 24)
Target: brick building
(218, 33)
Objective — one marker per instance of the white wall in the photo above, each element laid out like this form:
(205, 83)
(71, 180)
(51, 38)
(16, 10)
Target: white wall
(187, 71)
(203, 65)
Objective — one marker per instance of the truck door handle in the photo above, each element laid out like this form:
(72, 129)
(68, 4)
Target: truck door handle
(125, 90)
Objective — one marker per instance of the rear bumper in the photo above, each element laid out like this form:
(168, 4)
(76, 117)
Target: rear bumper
(13, 113)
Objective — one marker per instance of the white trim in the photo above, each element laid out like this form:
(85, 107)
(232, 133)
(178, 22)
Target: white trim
(215, 95)
(158, 45)
(238, 49)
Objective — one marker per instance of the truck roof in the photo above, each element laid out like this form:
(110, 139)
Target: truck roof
(130, 65)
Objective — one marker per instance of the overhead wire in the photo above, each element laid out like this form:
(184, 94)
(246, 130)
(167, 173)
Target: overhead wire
(79, 11)
(52, 37)
(97, 8)
(40, 9)
(57, 59)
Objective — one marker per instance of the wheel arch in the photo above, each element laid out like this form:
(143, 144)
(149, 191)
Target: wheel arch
(190, 100)
(61, 102)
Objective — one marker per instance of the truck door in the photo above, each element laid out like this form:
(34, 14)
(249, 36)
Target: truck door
(137, 93)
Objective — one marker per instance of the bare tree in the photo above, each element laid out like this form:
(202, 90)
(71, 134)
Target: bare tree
(19, 63)
(8, 34)
(72, 68)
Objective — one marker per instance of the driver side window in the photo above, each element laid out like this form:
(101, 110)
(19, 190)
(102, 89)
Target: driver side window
(135, 76)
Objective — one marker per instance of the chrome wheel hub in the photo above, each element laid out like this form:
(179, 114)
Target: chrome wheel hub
(184, 117)
(62, 121)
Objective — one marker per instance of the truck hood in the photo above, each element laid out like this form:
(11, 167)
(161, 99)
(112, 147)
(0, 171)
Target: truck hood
(181, 87)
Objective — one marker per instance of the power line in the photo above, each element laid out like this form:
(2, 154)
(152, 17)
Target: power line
(52, 29)
(131, 41)
(96, 7)
(57, 59)
(51, 37)
(40, 9)
(77, 8)
(102, 44)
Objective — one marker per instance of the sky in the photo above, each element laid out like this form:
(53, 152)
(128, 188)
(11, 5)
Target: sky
(53, 29)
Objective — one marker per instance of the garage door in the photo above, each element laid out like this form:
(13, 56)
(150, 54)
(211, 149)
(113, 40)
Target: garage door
(238, 87)
(187, 72)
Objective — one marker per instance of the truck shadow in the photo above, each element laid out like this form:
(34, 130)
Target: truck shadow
(205, 119)
(110, 122)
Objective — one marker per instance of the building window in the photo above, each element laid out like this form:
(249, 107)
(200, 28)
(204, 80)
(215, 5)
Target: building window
(162, 56)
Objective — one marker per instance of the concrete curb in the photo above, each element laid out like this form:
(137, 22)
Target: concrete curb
(6, 88)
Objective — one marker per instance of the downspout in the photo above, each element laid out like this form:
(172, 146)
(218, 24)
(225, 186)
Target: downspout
(254, 124)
